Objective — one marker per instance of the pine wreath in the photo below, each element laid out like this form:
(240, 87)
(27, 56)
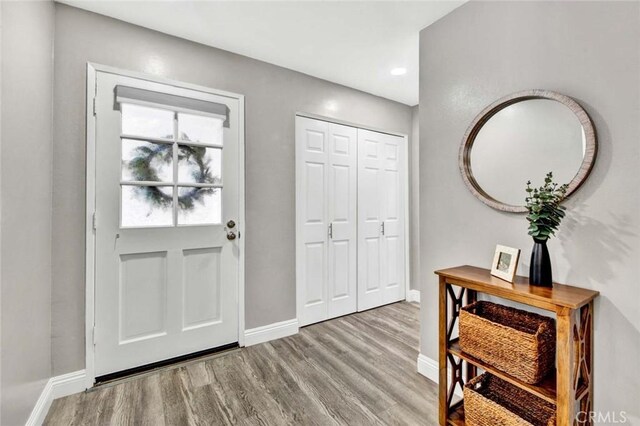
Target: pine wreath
(142, 169)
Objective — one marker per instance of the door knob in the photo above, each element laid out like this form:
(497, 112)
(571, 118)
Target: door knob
(231, 235)
(231, 224)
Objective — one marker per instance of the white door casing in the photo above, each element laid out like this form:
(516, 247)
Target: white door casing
(163, 291)
(326, 185)
(381, 219)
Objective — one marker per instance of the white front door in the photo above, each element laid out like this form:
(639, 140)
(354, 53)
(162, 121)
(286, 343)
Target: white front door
(381, 248)
(326, 179)
(167, 205)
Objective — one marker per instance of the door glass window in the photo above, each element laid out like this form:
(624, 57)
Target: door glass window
(147, 206)
(199, 128)
(140, 120)
(147, 161)
(199, 164)
(171, 168)
(198, 205)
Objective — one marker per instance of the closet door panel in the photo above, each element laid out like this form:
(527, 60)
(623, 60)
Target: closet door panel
(312, 142)
(381, 254)
(342, 200)
(370, 199)
(393, 285)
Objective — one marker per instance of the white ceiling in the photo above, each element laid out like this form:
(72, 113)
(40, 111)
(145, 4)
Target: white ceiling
(352, 43)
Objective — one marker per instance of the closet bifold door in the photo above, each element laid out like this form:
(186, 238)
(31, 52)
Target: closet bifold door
(342, 209)
(381, 229)
(326, 227)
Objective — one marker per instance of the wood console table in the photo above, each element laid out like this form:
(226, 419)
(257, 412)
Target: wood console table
(571, 388)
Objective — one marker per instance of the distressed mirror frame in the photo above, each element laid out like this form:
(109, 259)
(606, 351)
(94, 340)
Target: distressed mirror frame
(464, 157)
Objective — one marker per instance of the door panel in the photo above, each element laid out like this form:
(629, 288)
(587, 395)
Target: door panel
(315, 194)
(143, 296)
(370, 204)
(393, 286)
(166, 182)
(380, 220)
(312, 226)
(340, 279)
(371, 272)
(315, 275)
(342, 200)
(202, 287)
(339, 189)
(326, 170)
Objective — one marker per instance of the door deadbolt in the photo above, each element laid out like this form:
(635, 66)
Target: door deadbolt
(231, 224)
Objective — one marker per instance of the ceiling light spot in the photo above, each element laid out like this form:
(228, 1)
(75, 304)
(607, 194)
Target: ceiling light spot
(399, 71)
(331, 105)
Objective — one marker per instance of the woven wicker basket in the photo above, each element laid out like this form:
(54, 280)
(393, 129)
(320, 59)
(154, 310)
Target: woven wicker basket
(490, 401)
(520, 343)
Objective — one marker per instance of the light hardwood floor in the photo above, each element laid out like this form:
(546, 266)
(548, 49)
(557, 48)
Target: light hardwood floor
(356, 370)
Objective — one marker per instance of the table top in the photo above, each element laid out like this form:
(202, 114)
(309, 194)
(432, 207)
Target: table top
(480, 279)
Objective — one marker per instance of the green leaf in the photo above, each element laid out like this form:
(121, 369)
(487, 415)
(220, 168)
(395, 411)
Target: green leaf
(544, 208)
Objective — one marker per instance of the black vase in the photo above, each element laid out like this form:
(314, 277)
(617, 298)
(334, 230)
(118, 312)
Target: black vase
(540, 268)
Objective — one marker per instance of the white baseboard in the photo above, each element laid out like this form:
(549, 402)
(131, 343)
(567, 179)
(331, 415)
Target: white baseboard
(428, 368)
(56, 387)
(413, 296)
(277, 330)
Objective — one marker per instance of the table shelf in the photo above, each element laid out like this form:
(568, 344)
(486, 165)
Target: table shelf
(569, 387)
(545, 389)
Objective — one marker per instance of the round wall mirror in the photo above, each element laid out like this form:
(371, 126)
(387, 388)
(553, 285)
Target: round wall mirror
(521, 138)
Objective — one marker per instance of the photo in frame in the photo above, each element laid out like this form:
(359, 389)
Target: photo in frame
(505, 262)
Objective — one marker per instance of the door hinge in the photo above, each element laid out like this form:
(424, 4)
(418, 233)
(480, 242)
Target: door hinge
(93, 337)
(382, 228)
(94, 107)
(94, 221)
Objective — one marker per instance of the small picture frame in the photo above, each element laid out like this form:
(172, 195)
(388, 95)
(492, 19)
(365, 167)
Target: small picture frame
(505, 262)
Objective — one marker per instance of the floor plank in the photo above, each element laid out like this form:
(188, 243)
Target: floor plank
(359, 369)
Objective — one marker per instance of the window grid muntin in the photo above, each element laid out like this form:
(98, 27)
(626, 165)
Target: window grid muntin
(175, 141)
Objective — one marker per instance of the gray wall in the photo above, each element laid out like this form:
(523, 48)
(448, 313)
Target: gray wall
(25, 244)
(591, 52)
(1, 84)
(273, 96)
